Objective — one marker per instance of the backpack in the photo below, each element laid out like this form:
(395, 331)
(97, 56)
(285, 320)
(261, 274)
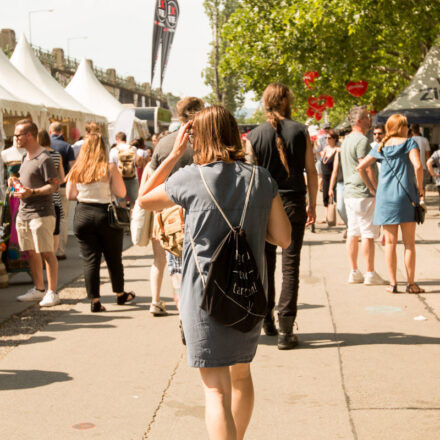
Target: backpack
(126, 160)
(233, 293)
(169, 229)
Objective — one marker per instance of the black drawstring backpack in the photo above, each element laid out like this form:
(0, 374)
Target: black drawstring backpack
(233, 292)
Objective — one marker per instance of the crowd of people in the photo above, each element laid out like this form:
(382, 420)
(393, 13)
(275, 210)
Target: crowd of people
(267, 185)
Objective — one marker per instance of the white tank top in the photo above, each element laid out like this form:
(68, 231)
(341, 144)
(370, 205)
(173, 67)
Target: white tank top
(98, 192)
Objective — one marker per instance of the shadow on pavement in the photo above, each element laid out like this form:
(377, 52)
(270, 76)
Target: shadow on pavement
(330, 340)
(22, 379)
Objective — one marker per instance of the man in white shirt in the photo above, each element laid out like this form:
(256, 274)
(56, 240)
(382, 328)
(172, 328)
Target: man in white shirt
(425, 151)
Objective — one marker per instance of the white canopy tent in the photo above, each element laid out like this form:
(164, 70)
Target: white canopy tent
(16, 84)
(25, 60)
(420, 101)
(87, 89)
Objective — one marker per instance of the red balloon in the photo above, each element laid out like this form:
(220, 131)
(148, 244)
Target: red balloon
(318, 116)
(309, 78)
(357, 89)
(319, 104)
(310, 112)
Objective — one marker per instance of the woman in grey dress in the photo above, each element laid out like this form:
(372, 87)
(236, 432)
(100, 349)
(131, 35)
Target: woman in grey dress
(223, 354)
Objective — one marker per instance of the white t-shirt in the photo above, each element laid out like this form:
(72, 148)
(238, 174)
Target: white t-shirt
(113, 157)
(424, 147)
(143, 153)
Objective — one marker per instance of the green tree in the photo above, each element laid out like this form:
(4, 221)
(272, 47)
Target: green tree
(382, 41)
(226, 89)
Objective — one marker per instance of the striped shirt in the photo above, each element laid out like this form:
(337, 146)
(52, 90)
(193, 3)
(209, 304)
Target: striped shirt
(56, 157)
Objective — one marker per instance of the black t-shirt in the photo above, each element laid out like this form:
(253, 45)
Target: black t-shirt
(263, 141)
(164, 148)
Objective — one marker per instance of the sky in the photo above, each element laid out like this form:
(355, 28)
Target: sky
(118, 35)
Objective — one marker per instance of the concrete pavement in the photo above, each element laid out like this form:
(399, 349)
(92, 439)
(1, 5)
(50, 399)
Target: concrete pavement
(365, 369)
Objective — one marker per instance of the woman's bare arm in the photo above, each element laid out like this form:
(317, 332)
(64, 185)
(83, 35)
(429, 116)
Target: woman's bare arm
(312, 182)
(71, 190)
(334, 175)
(279, 229)
(414, 157)
(117, 184)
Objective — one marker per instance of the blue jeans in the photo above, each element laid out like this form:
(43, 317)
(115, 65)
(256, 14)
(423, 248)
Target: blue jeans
(340, 201)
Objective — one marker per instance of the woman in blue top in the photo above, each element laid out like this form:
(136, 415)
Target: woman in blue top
(223, 354)
(400, 167)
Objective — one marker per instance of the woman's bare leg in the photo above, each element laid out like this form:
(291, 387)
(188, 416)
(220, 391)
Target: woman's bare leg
(242, 397)
(391, 234)
(157, 269)
(218, 414)
(409, 241)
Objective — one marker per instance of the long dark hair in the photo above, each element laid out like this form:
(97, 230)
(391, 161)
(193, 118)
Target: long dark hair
(277, 100)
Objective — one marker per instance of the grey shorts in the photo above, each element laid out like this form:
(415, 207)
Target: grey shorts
(132, 187)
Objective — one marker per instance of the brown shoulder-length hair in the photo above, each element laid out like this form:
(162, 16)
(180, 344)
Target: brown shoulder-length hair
(92, 163)
(394, 127)
(216, 136)
(43, 138)
(277, 100)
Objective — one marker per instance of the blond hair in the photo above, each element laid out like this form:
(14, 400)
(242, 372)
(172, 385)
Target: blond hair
(216, 136)
(393, 128)
(92, 163)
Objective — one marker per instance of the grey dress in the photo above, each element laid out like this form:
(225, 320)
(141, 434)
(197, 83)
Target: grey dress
(210, 344)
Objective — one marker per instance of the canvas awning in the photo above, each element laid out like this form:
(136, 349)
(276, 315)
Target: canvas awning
(26, 62)
(87, 89)
(420, 101)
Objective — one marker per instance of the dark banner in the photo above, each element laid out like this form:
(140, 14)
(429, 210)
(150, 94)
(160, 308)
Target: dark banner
(160, 14)
(171, 19)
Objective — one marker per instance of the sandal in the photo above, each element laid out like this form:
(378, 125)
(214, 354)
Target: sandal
(392, 288)
(125, 297)
(96, 307)
(414, 288)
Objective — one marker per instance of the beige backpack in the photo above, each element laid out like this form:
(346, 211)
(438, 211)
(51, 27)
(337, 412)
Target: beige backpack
(126, 160)
(169, 229)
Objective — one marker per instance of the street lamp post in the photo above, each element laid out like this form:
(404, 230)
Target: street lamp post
(29, 19)
(73, 38)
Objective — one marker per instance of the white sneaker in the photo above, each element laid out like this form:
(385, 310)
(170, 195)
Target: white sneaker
(158, 309)
(31, 295)
(355, 277)
(50, 299)
(373, 279)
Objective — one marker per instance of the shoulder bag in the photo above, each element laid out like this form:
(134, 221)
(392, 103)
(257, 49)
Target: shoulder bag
(118, 216)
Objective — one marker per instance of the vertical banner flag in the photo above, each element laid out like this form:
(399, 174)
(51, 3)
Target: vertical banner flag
(158, 26)
(171, 19)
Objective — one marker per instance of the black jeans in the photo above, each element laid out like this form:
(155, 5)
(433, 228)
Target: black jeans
(287, 305)
(97, 238)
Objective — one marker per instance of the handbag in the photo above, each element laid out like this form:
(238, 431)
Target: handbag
(331, 212)
(170, 229)
(118, 217)
(141, 223)
(419, 210)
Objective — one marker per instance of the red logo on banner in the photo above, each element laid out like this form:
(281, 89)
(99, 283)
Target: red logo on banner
(357, 89)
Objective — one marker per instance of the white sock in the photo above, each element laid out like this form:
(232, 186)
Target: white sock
(370, 273)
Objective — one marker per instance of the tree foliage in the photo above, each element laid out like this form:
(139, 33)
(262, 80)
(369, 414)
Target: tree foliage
(225, 87)
(381, 41)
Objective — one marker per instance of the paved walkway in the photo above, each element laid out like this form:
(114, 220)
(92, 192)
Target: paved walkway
(366, 368)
